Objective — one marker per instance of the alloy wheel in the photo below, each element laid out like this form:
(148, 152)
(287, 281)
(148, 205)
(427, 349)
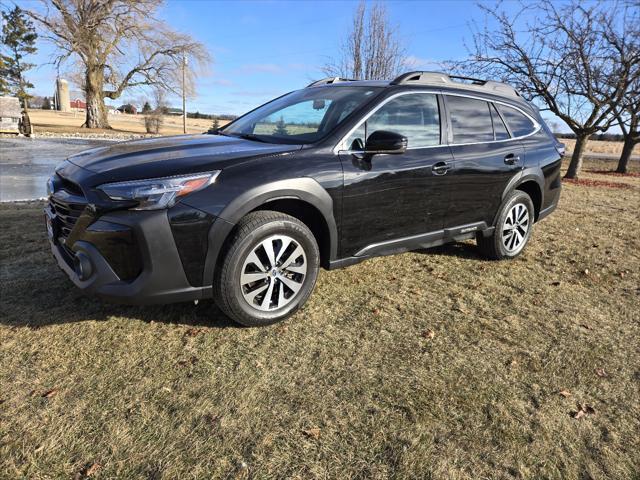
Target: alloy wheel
(273, 273)
(515, 228)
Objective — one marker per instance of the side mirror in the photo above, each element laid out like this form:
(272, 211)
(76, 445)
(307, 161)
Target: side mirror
(319, 104)
(382, 141)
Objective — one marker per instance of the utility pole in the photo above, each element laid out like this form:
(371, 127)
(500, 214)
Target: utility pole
(184, 94)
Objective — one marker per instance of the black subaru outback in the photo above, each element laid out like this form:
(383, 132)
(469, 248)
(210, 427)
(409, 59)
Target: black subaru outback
(329, 175)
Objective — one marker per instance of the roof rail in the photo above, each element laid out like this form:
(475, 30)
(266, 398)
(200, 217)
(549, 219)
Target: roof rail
(439, 78)
(328, 80)
(429, 78)
(469, 80)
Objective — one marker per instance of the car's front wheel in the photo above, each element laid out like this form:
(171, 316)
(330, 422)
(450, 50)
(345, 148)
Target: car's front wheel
(268, 270)
(512, 230)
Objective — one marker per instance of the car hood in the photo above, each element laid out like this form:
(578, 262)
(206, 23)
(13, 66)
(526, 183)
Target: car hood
(166, 156)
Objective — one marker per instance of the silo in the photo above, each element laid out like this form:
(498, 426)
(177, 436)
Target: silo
(62, 91)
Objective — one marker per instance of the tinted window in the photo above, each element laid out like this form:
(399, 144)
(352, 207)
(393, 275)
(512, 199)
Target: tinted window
(416, 116)
(519, 124)
(355, 141)
(498, 125)
(470, 120)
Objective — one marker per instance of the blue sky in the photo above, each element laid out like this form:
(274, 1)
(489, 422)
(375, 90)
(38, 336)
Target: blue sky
(262, 49)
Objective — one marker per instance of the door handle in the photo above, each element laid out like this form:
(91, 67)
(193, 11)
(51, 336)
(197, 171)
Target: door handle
(511, 159)
(440, 168)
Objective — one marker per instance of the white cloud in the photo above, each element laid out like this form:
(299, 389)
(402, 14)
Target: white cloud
(422, 63)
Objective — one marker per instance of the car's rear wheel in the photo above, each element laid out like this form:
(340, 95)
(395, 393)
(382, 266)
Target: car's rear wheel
(512, 230)
(268, 270)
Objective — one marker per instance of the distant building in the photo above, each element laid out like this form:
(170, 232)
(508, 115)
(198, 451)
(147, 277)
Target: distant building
(10, 115)
(174, 111)
(79, 104)
(128, 108)
(63, 102)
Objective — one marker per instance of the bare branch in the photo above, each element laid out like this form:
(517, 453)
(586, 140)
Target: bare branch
(121, 45)
(570, 58)
(371, 50)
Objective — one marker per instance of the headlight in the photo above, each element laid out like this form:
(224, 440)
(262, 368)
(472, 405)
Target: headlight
(157, 193)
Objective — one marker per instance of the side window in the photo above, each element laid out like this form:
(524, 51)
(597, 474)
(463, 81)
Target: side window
(499, 128)
(470, 119)
(519, 124)
(416, 116)
(355, 141)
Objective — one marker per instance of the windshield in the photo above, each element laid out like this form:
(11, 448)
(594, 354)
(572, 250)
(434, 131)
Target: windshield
(303, 116)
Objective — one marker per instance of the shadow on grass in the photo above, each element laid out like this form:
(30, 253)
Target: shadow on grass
(43, 296)
(35, 294)
(460, 250)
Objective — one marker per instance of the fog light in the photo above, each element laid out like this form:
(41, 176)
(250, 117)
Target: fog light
(82, 265)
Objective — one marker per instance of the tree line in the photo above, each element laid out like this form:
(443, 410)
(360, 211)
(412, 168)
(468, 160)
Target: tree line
(578, 60)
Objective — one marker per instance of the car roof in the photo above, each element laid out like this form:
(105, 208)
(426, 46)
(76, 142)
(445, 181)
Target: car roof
(432, 79)
(447, 83)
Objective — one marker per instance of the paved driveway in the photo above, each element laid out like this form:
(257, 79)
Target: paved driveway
(26, 163)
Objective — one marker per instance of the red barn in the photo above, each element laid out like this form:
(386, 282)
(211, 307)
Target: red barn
(77, 103)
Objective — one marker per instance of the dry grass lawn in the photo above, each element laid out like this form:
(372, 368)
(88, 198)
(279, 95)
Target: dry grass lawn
(600, 146)
(431, 364)
(70, 122)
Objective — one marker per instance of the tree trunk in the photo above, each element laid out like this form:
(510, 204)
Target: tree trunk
(27, 129)
(26, 123)
(576, 159)
(627, 150)
(96, 110)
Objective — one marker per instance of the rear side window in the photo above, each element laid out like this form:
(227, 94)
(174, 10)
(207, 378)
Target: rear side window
(519, 124)
(470, 119)
(498, 125)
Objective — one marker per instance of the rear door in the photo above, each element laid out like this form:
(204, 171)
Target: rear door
(485, 159)
(387, 197)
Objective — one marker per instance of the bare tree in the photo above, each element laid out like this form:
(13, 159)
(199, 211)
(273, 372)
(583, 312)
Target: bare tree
(120, 44)
(154, 119)
(628, 115)
(627, 111)
(371, 50)
(561, 57)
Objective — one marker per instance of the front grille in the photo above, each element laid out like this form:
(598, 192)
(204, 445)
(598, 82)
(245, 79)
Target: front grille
(67, 204)
(66, 214)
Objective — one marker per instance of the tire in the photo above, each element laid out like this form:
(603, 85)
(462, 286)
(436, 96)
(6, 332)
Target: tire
(247, 287)
(501, 244)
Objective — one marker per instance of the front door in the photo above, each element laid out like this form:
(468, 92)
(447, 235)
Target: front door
(387, 197)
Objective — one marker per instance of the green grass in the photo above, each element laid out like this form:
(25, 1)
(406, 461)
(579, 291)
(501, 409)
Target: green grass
(353, 386)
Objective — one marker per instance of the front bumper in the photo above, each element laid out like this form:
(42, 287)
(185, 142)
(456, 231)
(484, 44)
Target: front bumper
(162, 278)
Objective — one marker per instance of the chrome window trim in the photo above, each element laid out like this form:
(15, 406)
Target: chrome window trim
(537, 126)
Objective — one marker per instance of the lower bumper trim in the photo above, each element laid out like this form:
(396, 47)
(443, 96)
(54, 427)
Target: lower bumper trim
(104, 283)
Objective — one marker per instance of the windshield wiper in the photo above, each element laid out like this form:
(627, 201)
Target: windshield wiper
(218, 132)
(251, 136)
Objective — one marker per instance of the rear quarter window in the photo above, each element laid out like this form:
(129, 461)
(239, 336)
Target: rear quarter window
(519, 124)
